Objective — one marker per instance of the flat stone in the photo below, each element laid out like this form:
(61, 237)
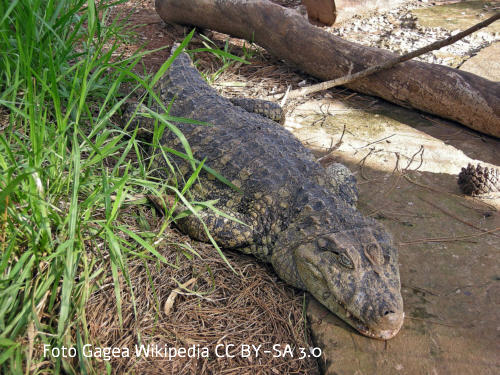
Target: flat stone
(486, 63)
(347, 9)
(458, 16)
(449, 267)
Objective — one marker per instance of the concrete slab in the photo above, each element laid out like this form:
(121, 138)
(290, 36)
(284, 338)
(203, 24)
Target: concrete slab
(458, 15)
(406, 164)
(347, 9)
(486, 63)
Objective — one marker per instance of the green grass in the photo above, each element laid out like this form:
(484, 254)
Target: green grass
(224, 55)
(66, 172)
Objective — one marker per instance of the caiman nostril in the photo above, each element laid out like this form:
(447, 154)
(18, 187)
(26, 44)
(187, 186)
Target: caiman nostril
(390, 319)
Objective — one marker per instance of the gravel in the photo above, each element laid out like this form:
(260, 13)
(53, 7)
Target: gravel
(397, 30)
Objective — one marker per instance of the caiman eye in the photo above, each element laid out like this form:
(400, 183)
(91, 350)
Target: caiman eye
(335, 255)
(345, 261)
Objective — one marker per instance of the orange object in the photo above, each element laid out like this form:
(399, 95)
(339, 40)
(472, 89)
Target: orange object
(321, 12)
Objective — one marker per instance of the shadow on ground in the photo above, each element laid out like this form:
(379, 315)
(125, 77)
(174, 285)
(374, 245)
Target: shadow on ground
(449, 244)
(450, 277)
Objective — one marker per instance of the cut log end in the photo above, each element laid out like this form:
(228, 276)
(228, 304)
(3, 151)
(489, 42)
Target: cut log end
(321, 12)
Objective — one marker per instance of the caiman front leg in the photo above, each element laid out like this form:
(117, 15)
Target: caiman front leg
(245, 235)
(227, 233)
(271, 110)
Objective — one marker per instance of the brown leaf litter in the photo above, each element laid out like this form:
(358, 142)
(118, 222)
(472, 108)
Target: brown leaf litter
(200, 304)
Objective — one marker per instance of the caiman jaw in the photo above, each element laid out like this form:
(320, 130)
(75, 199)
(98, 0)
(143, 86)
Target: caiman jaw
(386, 316)
(385, 334)
(395, 322)
(387, 329)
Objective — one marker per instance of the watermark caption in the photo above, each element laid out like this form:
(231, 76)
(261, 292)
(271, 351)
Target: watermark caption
(194, 351)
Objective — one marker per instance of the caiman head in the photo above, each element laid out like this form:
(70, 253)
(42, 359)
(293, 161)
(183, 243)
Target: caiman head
(354, 273)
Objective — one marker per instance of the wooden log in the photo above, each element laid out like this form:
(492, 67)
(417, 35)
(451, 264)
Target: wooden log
(450, 93)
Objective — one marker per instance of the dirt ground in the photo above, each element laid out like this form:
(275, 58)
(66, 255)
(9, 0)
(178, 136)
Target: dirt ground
(406, 164)
(448, 244)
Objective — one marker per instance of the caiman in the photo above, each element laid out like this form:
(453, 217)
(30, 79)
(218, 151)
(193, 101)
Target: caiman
(297, 215)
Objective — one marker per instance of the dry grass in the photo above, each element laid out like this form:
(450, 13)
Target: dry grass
(251, 307)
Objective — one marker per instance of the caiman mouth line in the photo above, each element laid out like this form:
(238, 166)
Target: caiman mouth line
(339, 309)
(361, 327)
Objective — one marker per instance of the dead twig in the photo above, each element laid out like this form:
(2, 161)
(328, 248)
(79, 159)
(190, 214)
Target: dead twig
(432, 322)
(491, 207)
(390, 63)
(454, 290)
(448, 239)
(377, 141)
(422, 290)
(446, 212)
(421, 152)
(328, 158)
(362, 163)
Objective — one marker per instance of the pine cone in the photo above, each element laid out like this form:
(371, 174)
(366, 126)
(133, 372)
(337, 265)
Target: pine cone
(479, 180)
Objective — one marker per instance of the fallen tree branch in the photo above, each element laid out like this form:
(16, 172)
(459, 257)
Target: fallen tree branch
(389, 64)
(450, 93)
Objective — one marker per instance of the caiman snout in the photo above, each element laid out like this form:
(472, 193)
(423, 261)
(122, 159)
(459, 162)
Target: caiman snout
(378, 304)
(346, 281)
(387, 324)
(391, 320)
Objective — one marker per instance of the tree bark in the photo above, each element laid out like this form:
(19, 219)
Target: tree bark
(450, 93)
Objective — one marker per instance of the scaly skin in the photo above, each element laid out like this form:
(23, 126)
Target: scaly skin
(299, 218)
